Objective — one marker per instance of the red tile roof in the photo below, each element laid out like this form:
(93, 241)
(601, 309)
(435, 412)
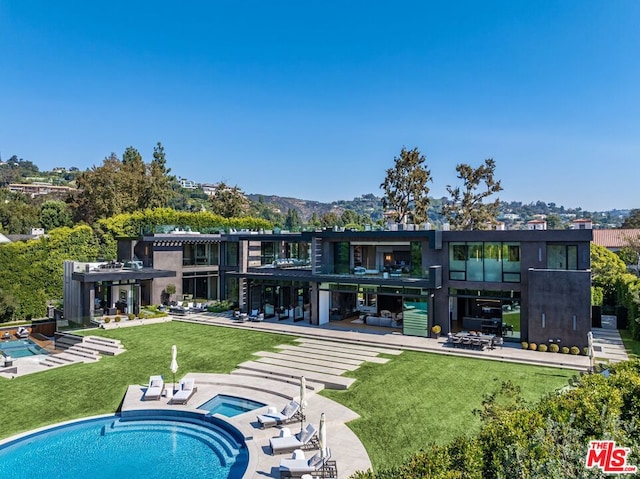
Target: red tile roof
(614, 238)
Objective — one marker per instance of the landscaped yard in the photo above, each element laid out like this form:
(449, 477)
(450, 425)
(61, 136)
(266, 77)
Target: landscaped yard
(414, 398)
(417, 398)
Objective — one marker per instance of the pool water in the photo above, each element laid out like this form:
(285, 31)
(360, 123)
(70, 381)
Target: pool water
(21, 348)
(230, 406)
(110, 447)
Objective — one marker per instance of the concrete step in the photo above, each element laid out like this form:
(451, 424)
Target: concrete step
(326, 369)
(57, 360)
(114, 343)
(296, 354)
(77, 351)
(327, 361)
(349, 347)
(101, 348)
(336, 354)
(330, 381)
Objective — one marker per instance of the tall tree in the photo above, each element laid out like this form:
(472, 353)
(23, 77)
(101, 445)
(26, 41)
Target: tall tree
(466, 209)
(122, 186)
(292, 221)
(405, 187)
(633, 220)
(161, 188)
(55, 214)
(229, 201)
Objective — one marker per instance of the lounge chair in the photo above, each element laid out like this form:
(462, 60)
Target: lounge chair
(186, 389)
(22, 333)
(155, 389)
(291, 412)
(299, 467)
(306, 439)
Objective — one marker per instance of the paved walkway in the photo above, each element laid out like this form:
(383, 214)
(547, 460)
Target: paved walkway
(392, 339)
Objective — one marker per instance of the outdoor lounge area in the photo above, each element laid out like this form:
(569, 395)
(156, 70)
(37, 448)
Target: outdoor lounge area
(473, 340)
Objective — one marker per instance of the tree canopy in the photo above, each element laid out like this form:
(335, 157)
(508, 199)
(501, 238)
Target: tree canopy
(406, 194)
(633, 220)
(123, 186)
(466, 209)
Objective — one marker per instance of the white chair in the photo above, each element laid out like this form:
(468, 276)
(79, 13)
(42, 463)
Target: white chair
(155, 389)
(306, 439)
(291, 412)
(186, 389)
(298, 467)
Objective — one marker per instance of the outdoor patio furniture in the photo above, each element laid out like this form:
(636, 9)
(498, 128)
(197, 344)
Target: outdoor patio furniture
(155, 389)
(291, 412)
(186, 389)
(22, 332)
(306, 439)
(297, 467)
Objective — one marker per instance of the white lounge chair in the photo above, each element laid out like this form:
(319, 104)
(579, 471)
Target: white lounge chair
(299, 467)
(155, 389)
(307, 439)
(186, 389)
(22, 332)
(291, 412)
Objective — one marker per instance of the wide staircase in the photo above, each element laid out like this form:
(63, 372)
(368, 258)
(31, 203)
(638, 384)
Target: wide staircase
(321, 362)
(86, 349)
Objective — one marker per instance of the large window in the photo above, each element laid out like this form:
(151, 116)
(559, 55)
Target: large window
(200, 254)
(200, 285)
(561, 256)
(267, 252)
(232, 254)
(488, 262)
(341, 257)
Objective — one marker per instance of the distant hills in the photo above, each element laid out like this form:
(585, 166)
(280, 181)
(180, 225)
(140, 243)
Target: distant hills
(514, 213)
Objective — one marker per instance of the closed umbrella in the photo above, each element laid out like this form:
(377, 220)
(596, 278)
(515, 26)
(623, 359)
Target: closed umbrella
(303, 400)
(174, 364)
(322, 438)
(592, 353)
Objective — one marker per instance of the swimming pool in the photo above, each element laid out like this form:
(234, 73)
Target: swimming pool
(230, 406)
(21, 348)
(151, 446)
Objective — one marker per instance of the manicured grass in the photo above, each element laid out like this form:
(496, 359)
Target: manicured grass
(413, 399)
(82, 390)
(632, 346)
(417, 398)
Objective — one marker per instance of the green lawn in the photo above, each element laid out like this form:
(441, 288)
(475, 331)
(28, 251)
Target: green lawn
(415, 398)
(419, 397)
(83, 390)
(632, 347)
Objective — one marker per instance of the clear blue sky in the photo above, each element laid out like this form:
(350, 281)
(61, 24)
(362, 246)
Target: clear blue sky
(314, 99)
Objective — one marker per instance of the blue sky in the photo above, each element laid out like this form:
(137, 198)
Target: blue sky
(315, 99)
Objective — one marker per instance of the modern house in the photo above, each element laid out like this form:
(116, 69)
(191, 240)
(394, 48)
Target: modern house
(529, 285)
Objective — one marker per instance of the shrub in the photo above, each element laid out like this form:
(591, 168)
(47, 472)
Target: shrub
(575, 350)
(525, 345)
(131, 316)
(542, 348)
(533, 346)
(585, 351)
(554, 348)
(107, 319)
(565, 350)
(436, 329)
(117, 319)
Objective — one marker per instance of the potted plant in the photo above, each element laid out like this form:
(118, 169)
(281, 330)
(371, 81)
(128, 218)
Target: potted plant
(436, 330)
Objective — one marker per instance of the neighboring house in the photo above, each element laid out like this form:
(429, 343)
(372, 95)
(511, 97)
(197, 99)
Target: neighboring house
(615, 239)
(537, 225)
(524, 285)
(36, 189)
(582, 224)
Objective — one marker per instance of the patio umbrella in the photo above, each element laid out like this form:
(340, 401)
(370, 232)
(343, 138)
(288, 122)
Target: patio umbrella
(303, 400)
(174, 364)
(322, 437)
(591, 351)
